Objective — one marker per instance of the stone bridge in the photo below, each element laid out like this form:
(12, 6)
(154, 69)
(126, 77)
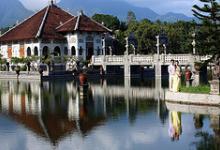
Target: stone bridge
(155, 61)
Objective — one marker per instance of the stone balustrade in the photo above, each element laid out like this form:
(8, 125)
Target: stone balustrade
(184, 59)
(147, 60)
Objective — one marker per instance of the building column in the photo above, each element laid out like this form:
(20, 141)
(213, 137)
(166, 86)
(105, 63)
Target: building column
(77, 52)
(84, 54)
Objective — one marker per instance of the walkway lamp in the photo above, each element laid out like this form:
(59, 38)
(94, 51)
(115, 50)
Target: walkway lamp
(158, 44)
(165, 49)
(103, 46)
(126, 46)
(194, 43)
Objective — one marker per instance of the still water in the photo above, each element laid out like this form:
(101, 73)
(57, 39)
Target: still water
(109, 115)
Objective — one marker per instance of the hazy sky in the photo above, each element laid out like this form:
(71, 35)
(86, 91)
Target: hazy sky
(160, 6)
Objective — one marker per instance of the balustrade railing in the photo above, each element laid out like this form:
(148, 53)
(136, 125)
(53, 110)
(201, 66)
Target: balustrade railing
(147, 59)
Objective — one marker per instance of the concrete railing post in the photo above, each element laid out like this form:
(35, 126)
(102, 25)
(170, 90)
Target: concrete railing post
(127, 71)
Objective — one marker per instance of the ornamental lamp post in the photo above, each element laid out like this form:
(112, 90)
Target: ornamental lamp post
(103, 46)
(126, 46)
(165, 49)
(158, 44)
(194, 43)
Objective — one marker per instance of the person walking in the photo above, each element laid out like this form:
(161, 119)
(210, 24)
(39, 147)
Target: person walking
(177, 77)
(171, 71)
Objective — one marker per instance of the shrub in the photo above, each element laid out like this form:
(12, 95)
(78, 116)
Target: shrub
(23, 68)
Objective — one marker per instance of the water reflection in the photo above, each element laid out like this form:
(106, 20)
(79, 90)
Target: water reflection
(56, 109)
(175, 128)
(118, 113)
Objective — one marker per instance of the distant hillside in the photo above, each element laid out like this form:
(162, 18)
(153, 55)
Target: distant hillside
(12, 11)
(119, 9)
(173, 17)
(112, 7)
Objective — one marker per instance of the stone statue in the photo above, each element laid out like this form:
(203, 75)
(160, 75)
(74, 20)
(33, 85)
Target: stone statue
(216, 70)
(215, 83)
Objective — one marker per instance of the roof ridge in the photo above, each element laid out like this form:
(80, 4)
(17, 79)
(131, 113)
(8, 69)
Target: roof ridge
(77, 23)
(42, 23)
(65, 22)
(22, 22)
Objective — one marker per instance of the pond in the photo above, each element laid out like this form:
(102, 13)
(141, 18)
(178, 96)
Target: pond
(110, 114)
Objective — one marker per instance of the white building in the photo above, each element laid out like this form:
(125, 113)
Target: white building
(54, 31)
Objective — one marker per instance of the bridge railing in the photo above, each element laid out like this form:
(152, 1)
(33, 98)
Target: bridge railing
(184, 59)
(147, 59)
(114, 59)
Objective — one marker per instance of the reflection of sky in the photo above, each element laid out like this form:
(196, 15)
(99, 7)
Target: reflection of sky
(146, 132)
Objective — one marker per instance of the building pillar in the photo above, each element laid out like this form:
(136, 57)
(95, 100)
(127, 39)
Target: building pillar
(84, 54)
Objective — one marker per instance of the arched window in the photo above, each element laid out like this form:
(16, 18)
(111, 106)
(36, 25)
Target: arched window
(73, 51)
(80, 50)
(45, 51)
(65, 51)
(28, 51)
(57, 51)
(35, 51)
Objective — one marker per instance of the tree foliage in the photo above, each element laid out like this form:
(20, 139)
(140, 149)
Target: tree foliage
(109, 21)
(131, 17)
(209, 32)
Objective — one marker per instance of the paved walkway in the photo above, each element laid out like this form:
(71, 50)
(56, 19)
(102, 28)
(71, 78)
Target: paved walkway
(189, 98)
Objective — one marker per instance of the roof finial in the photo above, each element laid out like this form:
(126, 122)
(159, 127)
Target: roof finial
(51, 2)
(81, 13)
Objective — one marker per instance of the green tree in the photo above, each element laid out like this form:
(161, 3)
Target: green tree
(131, 17)
(109, 21)
(209, 14)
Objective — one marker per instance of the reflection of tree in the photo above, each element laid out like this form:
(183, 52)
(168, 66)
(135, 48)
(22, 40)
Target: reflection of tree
(163, 112)
(198, 121)
(206, 142)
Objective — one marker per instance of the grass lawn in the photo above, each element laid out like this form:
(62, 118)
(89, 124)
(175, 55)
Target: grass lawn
(202, 89)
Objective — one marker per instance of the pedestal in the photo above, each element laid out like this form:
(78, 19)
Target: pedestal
(127, 71)
(187, 83)
(196, 80)
(214, 87)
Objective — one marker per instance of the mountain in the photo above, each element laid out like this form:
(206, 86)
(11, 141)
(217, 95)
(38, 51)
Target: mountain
(119, 9)
(173, 17)
(12, 11)
(112, 7)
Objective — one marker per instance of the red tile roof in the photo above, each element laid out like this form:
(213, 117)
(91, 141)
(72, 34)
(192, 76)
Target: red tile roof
(43, 25)
(82, 23)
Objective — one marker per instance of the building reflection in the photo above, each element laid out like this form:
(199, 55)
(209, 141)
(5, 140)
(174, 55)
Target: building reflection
(57, 109)
(50, 110)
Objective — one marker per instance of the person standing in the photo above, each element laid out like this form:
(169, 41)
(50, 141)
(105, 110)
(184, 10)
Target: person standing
(171, 71)
(177, 77)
